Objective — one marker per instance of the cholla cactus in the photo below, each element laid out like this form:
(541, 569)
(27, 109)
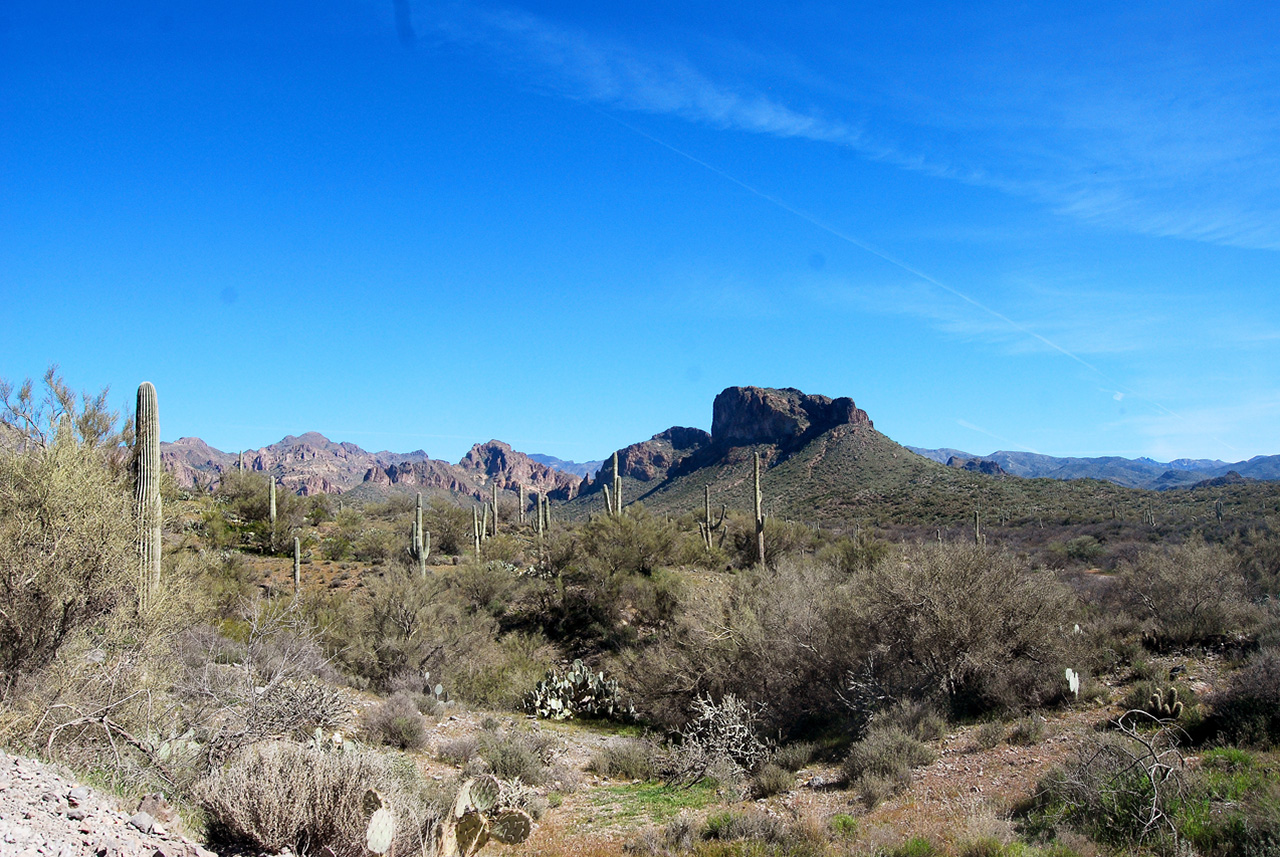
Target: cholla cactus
(578, 691)
(478, 816)
(1073, 681)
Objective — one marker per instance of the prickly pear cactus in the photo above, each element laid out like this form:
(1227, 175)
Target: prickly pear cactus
(382, 823)
(511, 826)
(482, 793)
(577, 692)
(476, 818)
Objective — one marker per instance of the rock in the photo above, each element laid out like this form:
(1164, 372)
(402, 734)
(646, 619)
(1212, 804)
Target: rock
(654, 458)
(157, 807)
(744, 416)
(141, 821)
(976, 465)
(78, 795)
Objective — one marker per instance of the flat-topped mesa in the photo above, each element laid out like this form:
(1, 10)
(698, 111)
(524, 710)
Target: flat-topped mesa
(743, 416)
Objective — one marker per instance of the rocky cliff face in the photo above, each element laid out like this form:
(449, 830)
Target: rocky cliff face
(654, 458)
(744, 416)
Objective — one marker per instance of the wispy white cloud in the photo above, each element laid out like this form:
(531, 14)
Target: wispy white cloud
(1179, 148)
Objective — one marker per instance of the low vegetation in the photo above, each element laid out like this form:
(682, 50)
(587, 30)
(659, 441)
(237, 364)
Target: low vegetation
(712, 689)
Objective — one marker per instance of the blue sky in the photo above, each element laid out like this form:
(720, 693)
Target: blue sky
(1047, 227)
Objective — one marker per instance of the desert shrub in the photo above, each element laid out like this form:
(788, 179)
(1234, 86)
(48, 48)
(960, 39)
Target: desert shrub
(1188, 593)
(396, 722)
(794, 756)
(376, 543)
(851, 554)
(885, 757)
(498, 673)
(989, 735)
(281, 796)
(772, 779)
(917, 718)
(485, 586)
(449, 525)
(402, 623)
(520, 754)
(1028, 730)
(750, 825)
(1122, 789)
(66, 521)
(1259, 553)
(458, 751)
(916, 846)
(768, 640)
(1247, 710)
(624, 759)
(633, 542)
(968, 623)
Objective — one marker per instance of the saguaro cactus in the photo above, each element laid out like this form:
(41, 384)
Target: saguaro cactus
(146, 493)
(523, 500)
(416, 549)
(493, 487)
(708, 525)
(613, 497)
(272, 482)
(297, 566)
(759, 514)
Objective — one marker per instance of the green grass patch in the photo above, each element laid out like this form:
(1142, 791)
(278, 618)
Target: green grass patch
(651, 802)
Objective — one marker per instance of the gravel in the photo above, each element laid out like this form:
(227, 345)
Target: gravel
(43, 813)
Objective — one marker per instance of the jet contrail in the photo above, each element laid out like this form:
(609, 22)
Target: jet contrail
(910, 269)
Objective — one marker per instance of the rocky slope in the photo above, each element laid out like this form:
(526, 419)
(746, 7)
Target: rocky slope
(44, 813)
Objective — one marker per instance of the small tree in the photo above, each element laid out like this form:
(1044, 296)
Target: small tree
(66, 520)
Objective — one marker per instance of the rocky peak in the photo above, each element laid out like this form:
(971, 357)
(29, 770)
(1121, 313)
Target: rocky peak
(742, 416)
(496, 460)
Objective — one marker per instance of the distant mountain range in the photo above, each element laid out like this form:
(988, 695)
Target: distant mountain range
(312, 464)
(585, 469)
(822, 460)
(1129, 472)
